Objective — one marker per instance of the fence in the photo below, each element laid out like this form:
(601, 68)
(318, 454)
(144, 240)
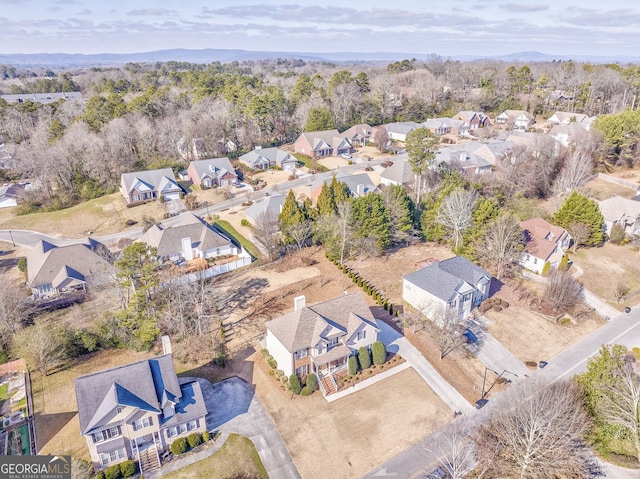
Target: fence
(216, 270)
(619, 181)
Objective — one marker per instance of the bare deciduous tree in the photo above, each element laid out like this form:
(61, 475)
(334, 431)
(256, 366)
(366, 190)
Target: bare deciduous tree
(455, 213)
(455, 449)
(563, 291)
(266, 232)
(448, 329)
(536, 431)
(622, 289)
(579, 233)
(501, 244)
(41, 346)
(299, 233)
(577, 168)
(14, 309)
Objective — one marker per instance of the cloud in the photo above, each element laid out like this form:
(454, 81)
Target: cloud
(150, 12)
(523, 7)
(612, 18)
(86, 11)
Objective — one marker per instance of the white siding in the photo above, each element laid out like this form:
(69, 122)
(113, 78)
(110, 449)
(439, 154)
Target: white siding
(532, 263)
(421, 299)
(370, 337)
(280, 353)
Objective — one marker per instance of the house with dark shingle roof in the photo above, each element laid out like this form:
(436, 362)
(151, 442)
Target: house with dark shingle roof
(318, 144)
(454, 284)
(358, 134)
(136, 411)
(53, 269)
(320, 338)
(141, 186)
(188, 238)
(543, 242)
(212, 172)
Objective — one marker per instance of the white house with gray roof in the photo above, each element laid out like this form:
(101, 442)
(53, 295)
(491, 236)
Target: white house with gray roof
(188, 238)
(399, 173)
(136, 411)
(142, 186)
(320, 338)
(267, 209)
(359, 184)
(265, 158)
(452, 284)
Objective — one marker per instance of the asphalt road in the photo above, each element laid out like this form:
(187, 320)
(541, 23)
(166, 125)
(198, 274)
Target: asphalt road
(424, 455)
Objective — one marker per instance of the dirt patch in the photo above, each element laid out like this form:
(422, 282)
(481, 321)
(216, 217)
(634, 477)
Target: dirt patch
(358, 432)
(531, 335)
(600, 189)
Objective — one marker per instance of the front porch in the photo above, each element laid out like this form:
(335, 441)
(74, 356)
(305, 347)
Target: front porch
(327, 365)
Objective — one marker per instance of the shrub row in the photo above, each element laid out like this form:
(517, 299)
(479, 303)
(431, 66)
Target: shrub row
(367, 287)
(184, 444)
(118, 471)
(273, 364)
(309, 388)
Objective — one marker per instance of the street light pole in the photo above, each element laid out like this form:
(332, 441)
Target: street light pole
(11, 235)
(484, 393)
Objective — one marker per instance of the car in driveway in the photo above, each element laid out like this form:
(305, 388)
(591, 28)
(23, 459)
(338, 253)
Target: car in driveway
(346, 156)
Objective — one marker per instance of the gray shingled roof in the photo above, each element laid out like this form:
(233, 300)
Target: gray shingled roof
(331, 138)
(47, 262)
(140, 384)
(303, 328)
(169, 240)
(154, 178)
(400, 172)
(352, 181)
(214, 167)
(272, 155)
(270, 206)
(443, 278)
(190, 406)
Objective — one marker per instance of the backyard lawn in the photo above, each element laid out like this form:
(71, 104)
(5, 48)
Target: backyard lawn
(237, 458)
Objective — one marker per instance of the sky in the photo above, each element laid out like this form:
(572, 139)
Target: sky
(445, 27)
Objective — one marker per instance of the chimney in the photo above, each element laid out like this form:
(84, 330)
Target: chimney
(299, 302)
(166, 344)
(360, 190)
(258, 147)
(187, 250)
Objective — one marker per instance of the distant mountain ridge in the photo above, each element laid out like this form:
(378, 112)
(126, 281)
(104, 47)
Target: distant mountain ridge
(209, 55)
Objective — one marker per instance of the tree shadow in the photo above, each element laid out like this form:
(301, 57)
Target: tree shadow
(8, 264)
(496, 286)
(48, 425)
(244, 293)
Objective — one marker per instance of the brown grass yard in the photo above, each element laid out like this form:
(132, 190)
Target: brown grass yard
(351, 436)
(601, 269)
(237, 457)
(600, 189)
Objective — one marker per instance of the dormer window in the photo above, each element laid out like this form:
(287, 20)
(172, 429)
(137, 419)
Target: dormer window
(332, 342)
(118, 410)
(169, 411)
(361, 335)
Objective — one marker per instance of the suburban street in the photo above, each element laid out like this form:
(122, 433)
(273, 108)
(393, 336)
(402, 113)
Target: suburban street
(424, 455)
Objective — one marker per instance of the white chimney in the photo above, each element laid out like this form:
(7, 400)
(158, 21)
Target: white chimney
(187, 250)
(299, 302)
(259, 147)
(166, 344)
(360, 190)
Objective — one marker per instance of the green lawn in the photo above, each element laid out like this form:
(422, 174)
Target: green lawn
(237, 458)
(244, 242)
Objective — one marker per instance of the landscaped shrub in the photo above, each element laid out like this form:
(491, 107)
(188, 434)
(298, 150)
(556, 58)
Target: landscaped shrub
(245, 222)
(194, 439)
(113, 472)
(391, 309)
(364, 357)
(497, 308)
(485, 306)
(206, 436)
(99, 475)
(306, 391)
(22, 264)
(312, 382)
(385, 306)
(294, 382)
(264, 352)
(545, 269)
(564, 263)
(352, 365)
(273, 364)
(379, 353)
(179, 446)
(128, 468)
(617, 234)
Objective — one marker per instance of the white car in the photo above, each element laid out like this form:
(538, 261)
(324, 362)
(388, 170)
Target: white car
(346, 155)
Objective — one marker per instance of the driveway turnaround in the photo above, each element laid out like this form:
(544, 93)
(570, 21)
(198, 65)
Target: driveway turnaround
(397, 343)
(234, 408)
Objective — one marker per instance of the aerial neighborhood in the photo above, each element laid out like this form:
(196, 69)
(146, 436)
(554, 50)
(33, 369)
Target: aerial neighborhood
(294, 268)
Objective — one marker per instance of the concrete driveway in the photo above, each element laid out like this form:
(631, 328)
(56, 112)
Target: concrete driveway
(397, 343)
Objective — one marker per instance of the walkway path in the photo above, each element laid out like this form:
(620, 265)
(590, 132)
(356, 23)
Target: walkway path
(234, 408)
(397, 343)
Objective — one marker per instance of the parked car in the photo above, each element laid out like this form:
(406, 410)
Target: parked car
(346, 155)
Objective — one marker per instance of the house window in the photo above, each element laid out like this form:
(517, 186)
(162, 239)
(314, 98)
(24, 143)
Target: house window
(332, 342)
(172, 431)
(116, 454)
(302, 370)
(302, 353)
(118, 410)
(361, 335)
(535, 260)
(191, 425)
(142, 423)
(105, 434)
(182, 428)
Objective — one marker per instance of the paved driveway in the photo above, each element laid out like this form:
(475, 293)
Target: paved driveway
(397, 343)
(235, 409)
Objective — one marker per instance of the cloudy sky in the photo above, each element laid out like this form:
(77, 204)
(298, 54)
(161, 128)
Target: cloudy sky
(449, 27)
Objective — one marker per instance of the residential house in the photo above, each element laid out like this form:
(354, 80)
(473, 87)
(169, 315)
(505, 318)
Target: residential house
(265, 158)
(188, 238)
(53, 270)
(358, 134)
(399, 173)
(621, 211)
(490, 150)
(454, 284)
(267, 209)
(564, 118)
(457, 156)
(136, 411)
(43, 98)
(9, 194)
(438, 126)
(521, 120)
(318, 144)
(569, 134)
(142, 186)
(543, 242)
(320, 338)
(359, 184)
(193, 149)
(212, 172)
(475, 119)
(399, 131)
